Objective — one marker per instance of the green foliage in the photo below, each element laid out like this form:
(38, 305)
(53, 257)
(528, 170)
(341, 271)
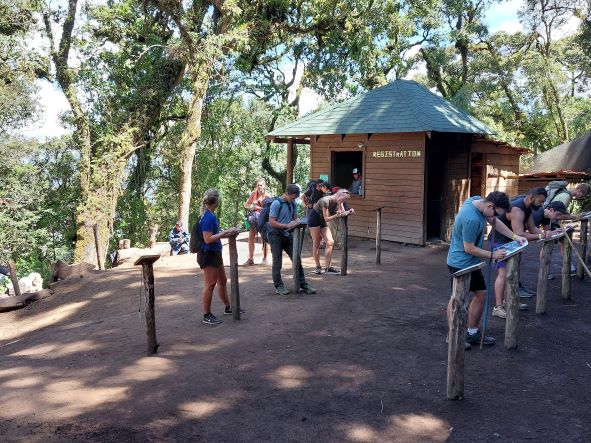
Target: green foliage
(38, 191)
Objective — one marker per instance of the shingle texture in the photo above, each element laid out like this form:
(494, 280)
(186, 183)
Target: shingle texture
(572, 156)
(401, 106)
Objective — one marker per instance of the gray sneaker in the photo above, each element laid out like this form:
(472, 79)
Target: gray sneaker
(307, 288)
(210, 319)
(524, 293)
(282, 290)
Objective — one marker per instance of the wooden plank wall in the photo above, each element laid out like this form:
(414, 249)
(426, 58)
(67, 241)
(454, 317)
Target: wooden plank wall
(501, 163)
(395, 183)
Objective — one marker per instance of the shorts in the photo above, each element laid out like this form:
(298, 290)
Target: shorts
(315, 220)
(210, 258)
(499, 264)
(476, 279)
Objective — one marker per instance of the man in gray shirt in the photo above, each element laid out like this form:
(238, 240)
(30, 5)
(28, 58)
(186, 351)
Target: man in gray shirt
(356, 185)
(283, 216)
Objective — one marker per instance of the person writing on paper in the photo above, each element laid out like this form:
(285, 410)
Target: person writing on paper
(466, 249)
(498, 240)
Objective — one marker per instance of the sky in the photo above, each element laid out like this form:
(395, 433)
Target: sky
(502, 17)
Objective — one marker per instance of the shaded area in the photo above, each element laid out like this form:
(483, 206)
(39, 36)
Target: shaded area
(362, 360)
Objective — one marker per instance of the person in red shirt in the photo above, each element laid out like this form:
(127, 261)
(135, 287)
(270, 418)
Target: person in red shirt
(255, 204)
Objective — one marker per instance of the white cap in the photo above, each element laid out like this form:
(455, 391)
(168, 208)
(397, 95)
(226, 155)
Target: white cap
(355, 171)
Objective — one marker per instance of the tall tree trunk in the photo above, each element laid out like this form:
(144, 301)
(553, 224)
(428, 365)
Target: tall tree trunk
(189, 140)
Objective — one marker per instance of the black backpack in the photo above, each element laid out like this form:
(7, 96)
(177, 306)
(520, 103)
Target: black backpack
(263, 225)
(196, 240)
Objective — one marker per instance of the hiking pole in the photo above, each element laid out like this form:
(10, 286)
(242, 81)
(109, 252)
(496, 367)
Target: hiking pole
(488, 284)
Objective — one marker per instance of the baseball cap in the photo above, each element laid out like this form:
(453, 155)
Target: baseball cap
(557, 206)
(355, 171)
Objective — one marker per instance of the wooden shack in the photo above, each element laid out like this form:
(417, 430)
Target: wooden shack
(569, 161)
(420, 158)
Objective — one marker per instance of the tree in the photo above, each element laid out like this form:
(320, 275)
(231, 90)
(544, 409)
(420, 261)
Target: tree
(125, 86)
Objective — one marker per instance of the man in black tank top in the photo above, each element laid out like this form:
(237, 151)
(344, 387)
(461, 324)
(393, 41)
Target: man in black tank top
(519, 219)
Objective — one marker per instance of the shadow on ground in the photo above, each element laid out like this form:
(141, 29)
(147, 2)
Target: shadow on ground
(363, 360)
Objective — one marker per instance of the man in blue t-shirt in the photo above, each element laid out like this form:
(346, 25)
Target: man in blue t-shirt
(466, 250)
(283, 216)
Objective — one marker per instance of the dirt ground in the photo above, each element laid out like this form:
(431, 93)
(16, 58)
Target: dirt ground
(363, 360)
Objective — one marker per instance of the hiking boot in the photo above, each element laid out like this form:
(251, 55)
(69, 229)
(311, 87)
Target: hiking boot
(474, 339)
(467, 346)
(307, 288)
(318, 270)
(228, 310)
(523, 307)
(282, 290)
(332, 271)
(210, 319)
(499, 311)
(249, 262)
(524, 293)
(264, 261)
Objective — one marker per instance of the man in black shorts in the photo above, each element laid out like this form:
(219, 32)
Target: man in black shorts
(466, 250)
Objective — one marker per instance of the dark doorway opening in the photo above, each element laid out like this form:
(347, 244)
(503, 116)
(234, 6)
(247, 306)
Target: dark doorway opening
(436, 163)
(342, 164)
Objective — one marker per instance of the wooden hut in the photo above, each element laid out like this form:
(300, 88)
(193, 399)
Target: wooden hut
(420, 158)
(569, 161)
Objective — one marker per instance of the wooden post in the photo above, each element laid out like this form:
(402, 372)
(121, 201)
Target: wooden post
(566, 261)
(583, 246)
(345, 254)
(296, 259)
(457, 332)
(147, 261)
(587, 256)
(512, 301)
(234, 288)
(379, 236)
(290, 162)
(543, 276)
(14, 278)
(98, 250)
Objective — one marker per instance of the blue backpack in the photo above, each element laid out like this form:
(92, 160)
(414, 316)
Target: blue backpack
(263, 225)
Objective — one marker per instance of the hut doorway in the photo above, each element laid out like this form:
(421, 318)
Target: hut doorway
(342, 165)
(435, 173)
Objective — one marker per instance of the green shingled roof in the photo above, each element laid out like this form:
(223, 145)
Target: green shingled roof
(401, 106)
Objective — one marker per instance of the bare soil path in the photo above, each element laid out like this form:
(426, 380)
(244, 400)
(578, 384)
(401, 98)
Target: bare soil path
(363, 360)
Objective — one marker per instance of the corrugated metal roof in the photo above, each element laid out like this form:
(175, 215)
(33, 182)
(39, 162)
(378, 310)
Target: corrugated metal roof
(401, 106)
(571, 156)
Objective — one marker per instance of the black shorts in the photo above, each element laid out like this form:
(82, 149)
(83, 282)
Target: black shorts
(315, 220)
(210, 258)
(477, 282)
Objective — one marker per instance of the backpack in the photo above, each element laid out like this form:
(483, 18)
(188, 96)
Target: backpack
(263, 223)
(554, 188)
(196, 240)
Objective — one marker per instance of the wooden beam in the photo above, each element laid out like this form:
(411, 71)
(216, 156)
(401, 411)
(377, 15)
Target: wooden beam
(345, 251)
(543, 276)
(290, 162)
(566, 261)
(457, 334)
(147, 261)
(234, 287)
(512, 301)
(14, 278)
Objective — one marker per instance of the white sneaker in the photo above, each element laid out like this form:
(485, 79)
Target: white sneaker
(499, 311)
